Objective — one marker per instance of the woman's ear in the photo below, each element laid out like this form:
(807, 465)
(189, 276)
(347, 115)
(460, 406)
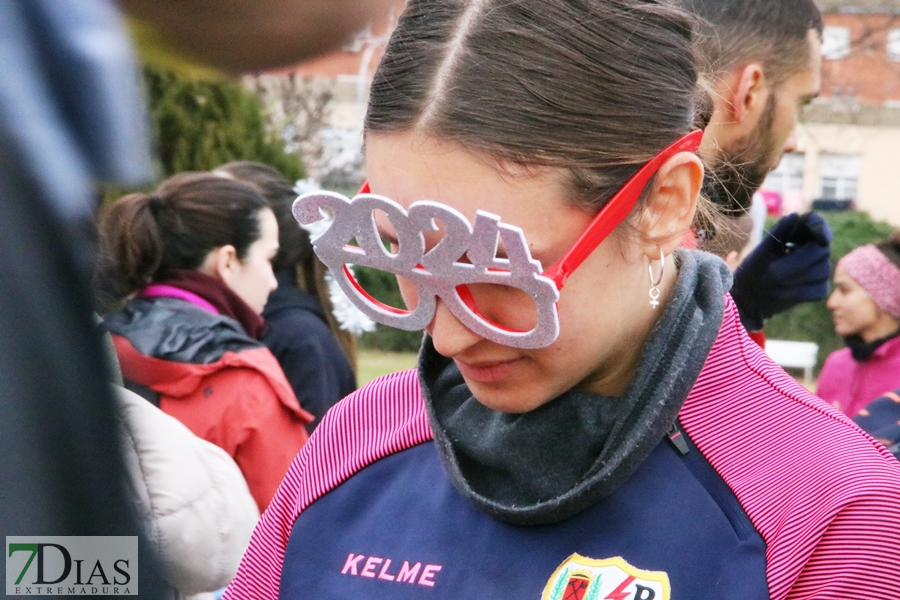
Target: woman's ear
(221, 263)
(668, 215)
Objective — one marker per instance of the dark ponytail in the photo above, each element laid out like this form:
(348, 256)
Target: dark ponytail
(130, 244)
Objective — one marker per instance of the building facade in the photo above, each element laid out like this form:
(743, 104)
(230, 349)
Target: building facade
(319, 106)
(848, 151)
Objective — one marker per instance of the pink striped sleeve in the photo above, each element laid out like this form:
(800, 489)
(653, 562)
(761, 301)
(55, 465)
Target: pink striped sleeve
(824, 495)
(260, 571)
(384, 417)
(858, 556)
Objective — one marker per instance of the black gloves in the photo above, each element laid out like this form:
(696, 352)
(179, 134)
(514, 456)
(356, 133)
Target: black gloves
(791, 265)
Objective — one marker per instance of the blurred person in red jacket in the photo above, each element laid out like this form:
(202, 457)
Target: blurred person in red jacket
(193, 262)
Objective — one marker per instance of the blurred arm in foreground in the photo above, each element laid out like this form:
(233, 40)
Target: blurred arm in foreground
(72, 114)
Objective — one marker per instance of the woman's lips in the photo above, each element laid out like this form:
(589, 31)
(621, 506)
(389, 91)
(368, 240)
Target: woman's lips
(487, 371)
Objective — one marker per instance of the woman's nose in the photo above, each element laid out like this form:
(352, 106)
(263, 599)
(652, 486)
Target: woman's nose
(449, 336)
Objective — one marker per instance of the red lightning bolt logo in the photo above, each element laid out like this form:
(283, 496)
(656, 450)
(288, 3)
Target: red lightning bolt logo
(618, 594)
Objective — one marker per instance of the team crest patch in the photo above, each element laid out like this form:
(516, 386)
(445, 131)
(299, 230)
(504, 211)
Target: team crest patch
(582, 578)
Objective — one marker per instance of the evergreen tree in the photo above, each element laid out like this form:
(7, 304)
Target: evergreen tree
(201, 124)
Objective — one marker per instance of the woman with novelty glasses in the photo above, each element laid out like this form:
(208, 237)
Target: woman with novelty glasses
(589, 419)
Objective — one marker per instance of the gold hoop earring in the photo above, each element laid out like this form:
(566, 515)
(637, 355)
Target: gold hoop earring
(654, 284)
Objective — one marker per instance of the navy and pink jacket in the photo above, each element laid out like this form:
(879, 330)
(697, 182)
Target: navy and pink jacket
(767, 492)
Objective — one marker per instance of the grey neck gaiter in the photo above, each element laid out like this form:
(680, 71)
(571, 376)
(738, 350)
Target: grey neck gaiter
(549, 464)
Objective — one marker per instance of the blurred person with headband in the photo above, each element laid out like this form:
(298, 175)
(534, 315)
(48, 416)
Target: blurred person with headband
(866, 308)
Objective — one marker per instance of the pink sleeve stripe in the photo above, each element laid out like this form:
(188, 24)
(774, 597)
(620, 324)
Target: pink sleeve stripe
(843, 564)
(380, 419)
(384, 417)
(823, 495)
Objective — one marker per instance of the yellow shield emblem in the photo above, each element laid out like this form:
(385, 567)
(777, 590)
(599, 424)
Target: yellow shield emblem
(582, 578)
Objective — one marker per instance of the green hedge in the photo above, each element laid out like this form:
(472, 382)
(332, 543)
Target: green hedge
(199, 125)
(383, 286)
(811, 322)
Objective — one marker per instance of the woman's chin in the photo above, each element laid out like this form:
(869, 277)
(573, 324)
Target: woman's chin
(844, 331)
(506, 399)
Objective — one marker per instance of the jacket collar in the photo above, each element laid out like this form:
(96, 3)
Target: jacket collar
(290, 296)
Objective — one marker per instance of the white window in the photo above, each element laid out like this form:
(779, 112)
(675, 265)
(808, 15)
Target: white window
(893, 45)
(839, 176)
(836, 42)
(788, 177)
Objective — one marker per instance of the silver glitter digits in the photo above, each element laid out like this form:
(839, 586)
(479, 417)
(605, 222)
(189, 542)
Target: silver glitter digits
(436, 273)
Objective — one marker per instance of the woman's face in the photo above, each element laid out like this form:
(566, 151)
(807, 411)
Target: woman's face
(604, 310)
(854, 311)
(252, 278)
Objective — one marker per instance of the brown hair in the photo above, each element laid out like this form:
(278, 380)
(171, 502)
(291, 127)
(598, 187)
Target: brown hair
(295, 249)
(771, 32)
(731, 234)
(595, 87)
(142, 236)
(890, 247)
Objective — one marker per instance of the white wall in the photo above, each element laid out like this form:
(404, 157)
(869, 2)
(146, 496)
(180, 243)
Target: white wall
(879, 147)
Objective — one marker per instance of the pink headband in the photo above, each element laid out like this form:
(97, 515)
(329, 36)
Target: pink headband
(875, 272)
